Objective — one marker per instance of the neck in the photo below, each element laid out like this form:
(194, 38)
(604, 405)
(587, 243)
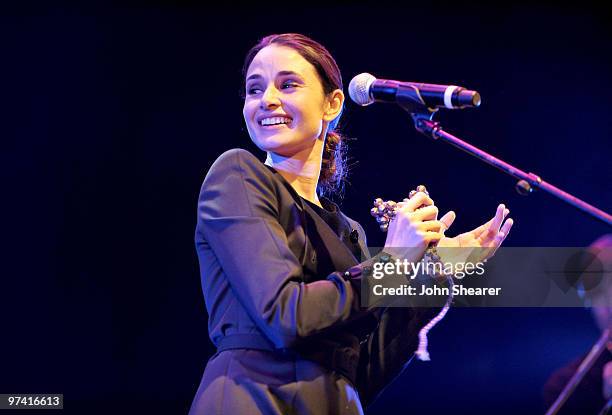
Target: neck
(301, 170)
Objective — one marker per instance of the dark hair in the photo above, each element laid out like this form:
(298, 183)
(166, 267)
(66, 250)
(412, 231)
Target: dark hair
(334, 164)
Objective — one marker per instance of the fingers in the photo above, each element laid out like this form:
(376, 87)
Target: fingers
(499, 217)
(431, 225)
(430, 236)
(490, 229)
(505, 229)
(496, 228)
(447, 220)
(417, 201)
(479, 230)
(501, 236)
(427, 213)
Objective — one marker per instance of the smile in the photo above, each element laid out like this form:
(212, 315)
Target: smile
(275, 121)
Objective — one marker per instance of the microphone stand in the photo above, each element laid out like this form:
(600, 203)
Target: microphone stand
(586, 364)
(410, 100)
(606, 408)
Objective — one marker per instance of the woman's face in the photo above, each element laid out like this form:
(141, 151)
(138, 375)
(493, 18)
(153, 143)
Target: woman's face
(285, 108)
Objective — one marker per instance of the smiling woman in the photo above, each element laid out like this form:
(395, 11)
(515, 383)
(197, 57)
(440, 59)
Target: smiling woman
(300, 74)
(305, 108)
(279, 261)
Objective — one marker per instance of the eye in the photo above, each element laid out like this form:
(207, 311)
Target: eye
(289, 84)
(253, 90)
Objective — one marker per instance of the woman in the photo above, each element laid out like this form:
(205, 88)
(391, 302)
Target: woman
(278, 260)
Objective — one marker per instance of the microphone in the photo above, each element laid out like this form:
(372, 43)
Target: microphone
(365, 89)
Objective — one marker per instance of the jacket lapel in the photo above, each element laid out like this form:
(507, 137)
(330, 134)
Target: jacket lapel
(339, 254)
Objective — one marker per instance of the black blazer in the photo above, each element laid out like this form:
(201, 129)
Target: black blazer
(263, 272)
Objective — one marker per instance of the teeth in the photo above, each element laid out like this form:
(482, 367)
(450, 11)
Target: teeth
(275, 120)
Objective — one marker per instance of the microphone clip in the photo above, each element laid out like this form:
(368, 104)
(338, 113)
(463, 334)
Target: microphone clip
(410, 99)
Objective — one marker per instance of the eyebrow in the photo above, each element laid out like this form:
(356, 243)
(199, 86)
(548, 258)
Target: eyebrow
(281, 73)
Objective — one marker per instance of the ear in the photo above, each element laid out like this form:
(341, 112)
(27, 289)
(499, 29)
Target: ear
(334, 104)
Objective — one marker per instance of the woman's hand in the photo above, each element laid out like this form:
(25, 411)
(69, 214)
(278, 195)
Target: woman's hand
(485, 239)
(413, 228)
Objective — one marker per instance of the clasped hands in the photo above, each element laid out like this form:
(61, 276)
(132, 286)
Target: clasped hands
(415, 226)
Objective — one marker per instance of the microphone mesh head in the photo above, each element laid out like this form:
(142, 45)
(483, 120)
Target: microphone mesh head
(359, 89)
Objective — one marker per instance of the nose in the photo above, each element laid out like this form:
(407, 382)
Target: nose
(269, 99)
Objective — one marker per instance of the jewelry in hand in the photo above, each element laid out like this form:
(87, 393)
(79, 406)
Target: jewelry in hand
(384, 211)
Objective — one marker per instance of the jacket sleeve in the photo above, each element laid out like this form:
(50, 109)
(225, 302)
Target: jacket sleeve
(389, 349)
(238, 217)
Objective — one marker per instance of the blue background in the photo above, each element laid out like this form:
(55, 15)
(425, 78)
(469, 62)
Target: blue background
(112, 114)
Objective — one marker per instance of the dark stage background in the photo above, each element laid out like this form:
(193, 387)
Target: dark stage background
(111, 116)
